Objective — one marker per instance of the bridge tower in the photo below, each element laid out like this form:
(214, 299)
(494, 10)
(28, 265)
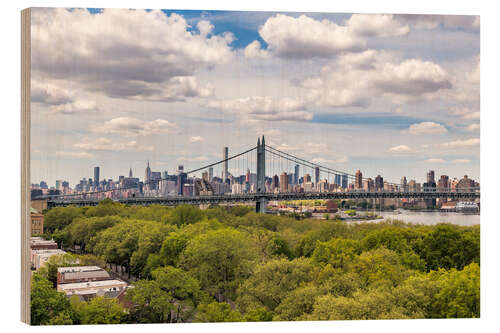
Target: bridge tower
(261, 203)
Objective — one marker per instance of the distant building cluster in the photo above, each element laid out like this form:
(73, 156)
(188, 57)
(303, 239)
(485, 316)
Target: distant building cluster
(156, 183)
(82, 281)
(88, 281)
(41, 250)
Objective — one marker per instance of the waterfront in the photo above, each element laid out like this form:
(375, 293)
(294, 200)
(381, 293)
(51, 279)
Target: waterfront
(430, 218)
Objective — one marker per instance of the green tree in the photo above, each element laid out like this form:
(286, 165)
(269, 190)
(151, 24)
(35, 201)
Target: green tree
(217, 312)
(273, 281)
(185, 214)
(59, 217)
(459, 294)
(278, 246)
(172, 247)
(62, 318)
(98, 310)
(374, 304)
(398, 240)
(258, 313)
(171, 296)
(241, 210)
(416, 295)
(379, 266)
(337, 281)
(298, 303)
(49, 306)
(83, 229)
(447, 247)
(129, 243)
(149, 242)
(151, 303)
(337, 252)
(106, 207)
(220, 260)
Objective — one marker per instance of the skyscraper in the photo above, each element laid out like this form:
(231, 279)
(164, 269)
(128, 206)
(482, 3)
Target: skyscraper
(130, 173)
(147, 174)
(344, 181)
(379, 183)
(204, 176)
(284, 182)
(358, 181)
(210, 174)
(444, 182)
(404, 184)
(225, 154)
(96, 176)
(316, 175)
(430, 177)
(181, 180)
(275, 182)
(307, 178)
(296, 175)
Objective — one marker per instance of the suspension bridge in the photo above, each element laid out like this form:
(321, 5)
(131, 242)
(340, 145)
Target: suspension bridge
(260, 158)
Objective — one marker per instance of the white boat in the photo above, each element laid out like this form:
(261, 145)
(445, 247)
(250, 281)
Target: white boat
(467, 207)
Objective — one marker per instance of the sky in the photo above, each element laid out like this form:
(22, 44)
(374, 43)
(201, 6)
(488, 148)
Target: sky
(395, 95)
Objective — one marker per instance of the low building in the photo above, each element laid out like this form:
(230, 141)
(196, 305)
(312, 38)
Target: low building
(40, 257)
(88, 290)
(79, 274)
(38, 243)
(331, 206)
(448, 206)
(36, 224)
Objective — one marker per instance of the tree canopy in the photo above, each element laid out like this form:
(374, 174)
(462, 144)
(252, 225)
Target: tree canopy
(231, 264)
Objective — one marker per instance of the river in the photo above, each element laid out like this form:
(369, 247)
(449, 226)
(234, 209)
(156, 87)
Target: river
(430, 218)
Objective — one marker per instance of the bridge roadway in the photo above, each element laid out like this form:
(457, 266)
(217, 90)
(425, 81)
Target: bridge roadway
(282, 196)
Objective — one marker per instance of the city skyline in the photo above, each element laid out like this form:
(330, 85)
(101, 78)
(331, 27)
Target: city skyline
(365, 97)
(224, 170)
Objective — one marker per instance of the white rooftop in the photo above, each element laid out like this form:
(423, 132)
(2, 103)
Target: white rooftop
(92, 284)
(78, 269)
(49, 251)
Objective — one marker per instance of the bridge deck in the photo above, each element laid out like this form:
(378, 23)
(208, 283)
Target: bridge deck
(254, 197)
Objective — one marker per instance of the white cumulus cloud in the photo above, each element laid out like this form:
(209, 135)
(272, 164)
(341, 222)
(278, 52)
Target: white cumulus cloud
(474, 128)
(466, 143)
(122, 53)
(400, 149)
(305, 37)
(265, 108)
(195, 139)
(254, 50)
(426, 127)
(434, 160)
(460, 161)
(355, 79)
(74, 154)
(376, 25)
(109, 145)
(128, 126)
(420, 21)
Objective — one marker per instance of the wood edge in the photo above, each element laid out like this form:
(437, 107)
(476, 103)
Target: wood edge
(25, 162)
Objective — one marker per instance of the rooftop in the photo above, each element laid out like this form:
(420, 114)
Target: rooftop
(75, 269)
(92, 284)
(48, 251)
